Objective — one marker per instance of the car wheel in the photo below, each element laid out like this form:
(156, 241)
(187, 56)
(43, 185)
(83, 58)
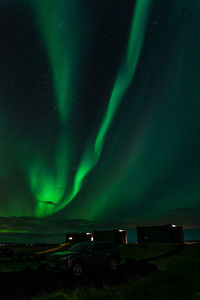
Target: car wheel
(77, 269)
(113, 265)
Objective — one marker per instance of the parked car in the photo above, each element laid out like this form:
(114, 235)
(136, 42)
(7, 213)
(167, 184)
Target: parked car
(86, 256)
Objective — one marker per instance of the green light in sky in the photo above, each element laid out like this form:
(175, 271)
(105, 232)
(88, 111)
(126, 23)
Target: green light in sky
(99, 108)
(57, 43)
(127, 69)
(13, 231)
(122, 83)
(45, 185)
(49, 187)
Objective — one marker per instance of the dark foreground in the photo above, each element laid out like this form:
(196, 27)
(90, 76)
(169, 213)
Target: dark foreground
(27, 283)
(157, 272)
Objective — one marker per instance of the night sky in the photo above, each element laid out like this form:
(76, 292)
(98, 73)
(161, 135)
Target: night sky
(99, 115)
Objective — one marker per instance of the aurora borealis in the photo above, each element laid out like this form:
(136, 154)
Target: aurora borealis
(99, 110)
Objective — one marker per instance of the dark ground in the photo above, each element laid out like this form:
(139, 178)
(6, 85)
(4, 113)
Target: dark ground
(27, 283)
(21, 285)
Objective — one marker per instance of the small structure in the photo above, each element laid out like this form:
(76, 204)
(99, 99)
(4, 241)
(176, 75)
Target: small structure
(118, 236)
(169, 233)
(73, 238)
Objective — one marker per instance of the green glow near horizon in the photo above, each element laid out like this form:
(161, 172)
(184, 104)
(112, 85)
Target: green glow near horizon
(49, 188)
(13, 231)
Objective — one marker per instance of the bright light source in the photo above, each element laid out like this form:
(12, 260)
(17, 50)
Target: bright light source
(173, 225)
(88, 233)
(92, 238)
(70, 238)
(120, 230)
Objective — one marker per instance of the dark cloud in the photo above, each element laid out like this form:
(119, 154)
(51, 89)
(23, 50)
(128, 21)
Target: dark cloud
(188, 217)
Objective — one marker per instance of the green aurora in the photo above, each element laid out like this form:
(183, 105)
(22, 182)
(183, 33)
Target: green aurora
(99, 108)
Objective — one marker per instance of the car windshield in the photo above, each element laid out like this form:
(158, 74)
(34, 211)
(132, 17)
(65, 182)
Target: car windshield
(80, 247)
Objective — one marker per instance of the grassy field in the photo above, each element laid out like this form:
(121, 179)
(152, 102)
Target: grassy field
(27, 257)
(145, 251)
(178, 277)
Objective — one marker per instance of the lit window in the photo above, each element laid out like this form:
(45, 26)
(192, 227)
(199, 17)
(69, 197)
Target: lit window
(70, 238)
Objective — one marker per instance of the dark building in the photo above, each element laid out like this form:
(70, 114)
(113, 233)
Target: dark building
(116, 236)
(73, 238)
(169, 233)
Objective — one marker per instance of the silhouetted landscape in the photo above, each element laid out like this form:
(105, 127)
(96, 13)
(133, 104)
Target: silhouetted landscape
(147, 271)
